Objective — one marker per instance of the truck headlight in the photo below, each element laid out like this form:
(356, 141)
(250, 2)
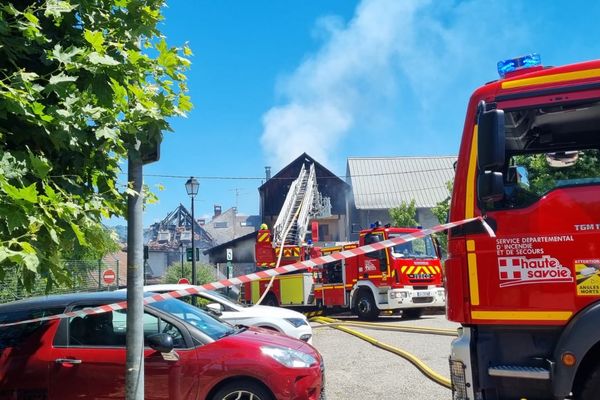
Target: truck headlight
(288, 357)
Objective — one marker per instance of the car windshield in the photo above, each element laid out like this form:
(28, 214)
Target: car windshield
(204, 322)
(418, 248)
(226, 300)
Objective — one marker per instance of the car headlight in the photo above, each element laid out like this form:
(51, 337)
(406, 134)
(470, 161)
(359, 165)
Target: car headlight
(297, 322)
(288, 357)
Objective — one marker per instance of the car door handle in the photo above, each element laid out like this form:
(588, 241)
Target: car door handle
(67, 361)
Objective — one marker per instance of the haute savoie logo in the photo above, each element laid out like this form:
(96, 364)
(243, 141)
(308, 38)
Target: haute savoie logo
(515, 271)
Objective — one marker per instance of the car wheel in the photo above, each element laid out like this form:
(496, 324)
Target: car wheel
(366, 309)
(412, 313)
(271, 300)
(242, 390)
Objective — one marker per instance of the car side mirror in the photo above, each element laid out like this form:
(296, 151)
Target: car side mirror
(490, 186)
(161, 342)
(215, 308)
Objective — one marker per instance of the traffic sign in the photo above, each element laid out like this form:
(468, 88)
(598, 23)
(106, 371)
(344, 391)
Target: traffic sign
(108, 276)
(188, 252)
(183, 281)
(229, 254)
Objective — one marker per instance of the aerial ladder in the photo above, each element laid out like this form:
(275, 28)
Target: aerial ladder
(299, 206)
(286, 244)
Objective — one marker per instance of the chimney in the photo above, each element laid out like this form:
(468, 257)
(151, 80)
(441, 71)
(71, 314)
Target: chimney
(268, 172)
(217, 211)
(201, 221)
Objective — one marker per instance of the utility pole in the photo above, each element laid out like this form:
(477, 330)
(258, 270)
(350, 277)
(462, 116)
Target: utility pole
(144, 151)
(134, 372)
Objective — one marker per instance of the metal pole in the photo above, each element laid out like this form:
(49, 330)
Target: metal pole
(181, 251)
(193, 248)
(134, 367)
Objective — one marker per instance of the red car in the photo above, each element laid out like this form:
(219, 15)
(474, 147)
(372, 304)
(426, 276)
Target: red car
(189, 354)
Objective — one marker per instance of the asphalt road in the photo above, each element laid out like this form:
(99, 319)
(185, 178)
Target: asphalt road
(355, 369)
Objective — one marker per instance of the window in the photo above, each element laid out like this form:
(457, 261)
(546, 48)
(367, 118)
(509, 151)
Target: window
(109, 329)
(548, 148)
(11, 336)
(204, 322)
(220, 225)
(418, 248)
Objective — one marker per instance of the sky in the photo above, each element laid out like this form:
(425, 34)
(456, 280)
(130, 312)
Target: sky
(338, 78)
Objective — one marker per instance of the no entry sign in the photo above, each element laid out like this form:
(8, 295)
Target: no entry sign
(108, 276)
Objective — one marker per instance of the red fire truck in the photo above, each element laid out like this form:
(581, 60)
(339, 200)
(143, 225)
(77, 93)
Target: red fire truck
(405, 277)
(528, 299)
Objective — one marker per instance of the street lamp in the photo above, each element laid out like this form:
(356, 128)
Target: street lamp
(191, 187)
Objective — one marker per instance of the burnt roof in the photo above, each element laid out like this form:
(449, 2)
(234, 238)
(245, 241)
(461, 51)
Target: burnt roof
(273, 191)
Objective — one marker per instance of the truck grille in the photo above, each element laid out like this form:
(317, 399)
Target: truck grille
(459, 382)
(420, 300)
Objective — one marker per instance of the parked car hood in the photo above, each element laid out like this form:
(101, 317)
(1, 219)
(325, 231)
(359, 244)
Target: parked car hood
(263, 311)
(268, 337)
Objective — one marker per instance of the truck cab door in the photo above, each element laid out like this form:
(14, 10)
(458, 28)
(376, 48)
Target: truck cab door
(375, 265)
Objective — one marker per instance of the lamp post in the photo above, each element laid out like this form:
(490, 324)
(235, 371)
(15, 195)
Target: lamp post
(181, 254)
(191, 187)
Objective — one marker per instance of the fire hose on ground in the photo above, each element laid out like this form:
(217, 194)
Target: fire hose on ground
(421, 366)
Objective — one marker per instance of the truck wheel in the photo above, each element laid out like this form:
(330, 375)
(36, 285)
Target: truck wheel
(591, 386)
(412, 313)
(270, 300)
(366, 309)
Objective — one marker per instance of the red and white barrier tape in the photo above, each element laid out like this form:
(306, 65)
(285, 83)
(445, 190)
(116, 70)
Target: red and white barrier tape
(298, 266)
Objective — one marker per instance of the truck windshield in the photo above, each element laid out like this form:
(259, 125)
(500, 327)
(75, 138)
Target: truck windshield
(549, 148)
(418, 248)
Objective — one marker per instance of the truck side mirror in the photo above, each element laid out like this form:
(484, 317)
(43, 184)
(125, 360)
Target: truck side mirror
(490, 186)
(491, 140)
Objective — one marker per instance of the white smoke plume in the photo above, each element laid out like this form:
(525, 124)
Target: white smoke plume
(361, 64)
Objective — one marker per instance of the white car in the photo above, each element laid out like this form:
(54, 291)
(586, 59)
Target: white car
(290, 322)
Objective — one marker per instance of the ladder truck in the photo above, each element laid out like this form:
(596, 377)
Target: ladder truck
(407, 277)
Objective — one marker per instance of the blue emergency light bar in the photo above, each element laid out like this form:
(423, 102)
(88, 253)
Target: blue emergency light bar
(516, 64)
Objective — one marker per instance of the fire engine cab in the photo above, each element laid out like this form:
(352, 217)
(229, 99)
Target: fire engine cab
(528, 299)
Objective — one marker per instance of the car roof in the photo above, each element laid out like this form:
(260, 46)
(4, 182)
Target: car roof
(63, 300)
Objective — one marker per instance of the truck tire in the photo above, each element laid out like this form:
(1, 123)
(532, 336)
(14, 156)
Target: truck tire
(366, 309)
(412, 313)
(590, 387)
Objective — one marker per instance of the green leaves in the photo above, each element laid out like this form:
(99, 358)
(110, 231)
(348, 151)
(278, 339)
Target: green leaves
(95, 39)
(405, 214)
(97, 58)
(61, 78)
(28, 193)
(78, 87)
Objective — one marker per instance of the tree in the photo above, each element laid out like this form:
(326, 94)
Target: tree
(204, 273)
(405, 214)
(542, 177)
(105, 240)
(441, 210)
(82, 82)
